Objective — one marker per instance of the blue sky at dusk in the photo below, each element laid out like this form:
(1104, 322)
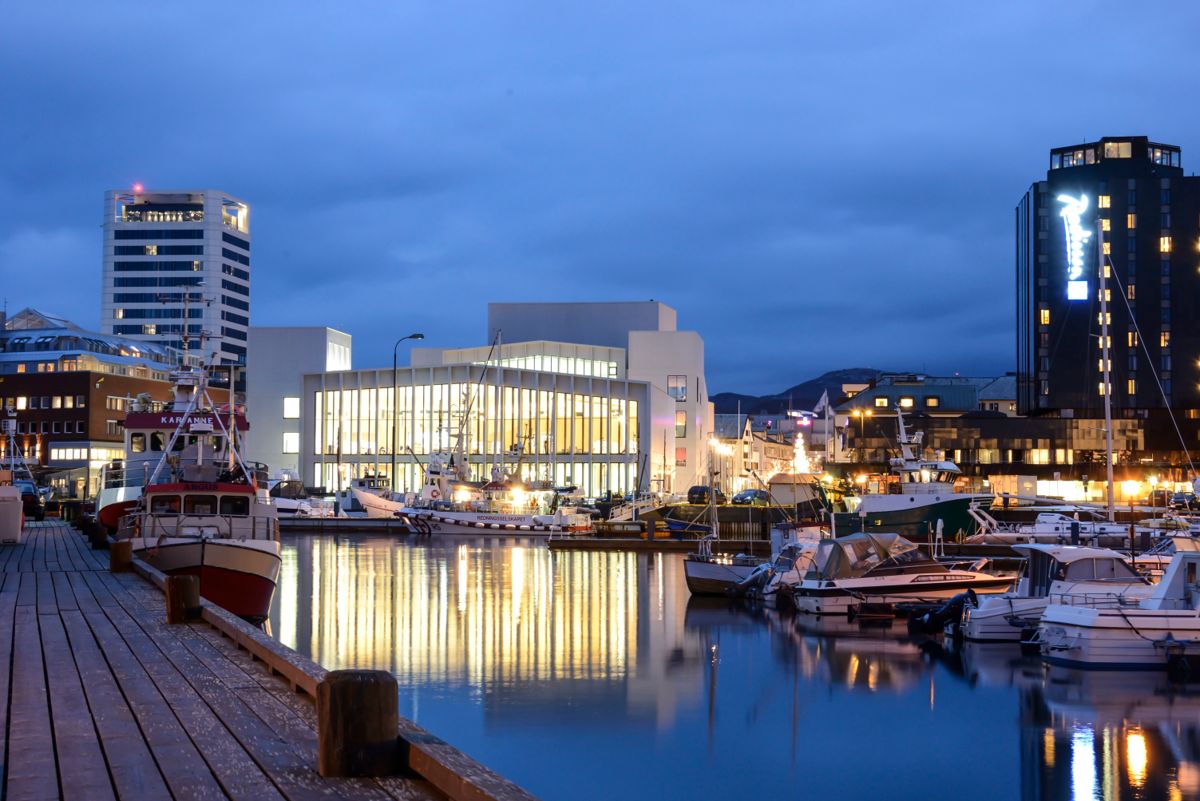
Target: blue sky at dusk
(811, 186)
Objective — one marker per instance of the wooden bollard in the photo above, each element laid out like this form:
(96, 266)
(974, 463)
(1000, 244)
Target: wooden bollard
(358, 722)
(183, 598)
(119, 556)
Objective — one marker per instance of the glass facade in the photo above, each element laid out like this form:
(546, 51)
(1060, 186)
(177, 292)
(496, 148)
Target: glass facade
(539, 427)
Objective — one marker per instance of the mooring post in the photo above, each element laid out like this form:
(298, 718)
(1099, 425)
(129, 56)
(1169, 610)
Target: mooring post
(183, 598)
(120, 556)
(358, 722)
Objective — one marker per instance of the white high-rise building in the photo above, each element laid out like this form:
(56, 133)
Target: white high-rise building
(175, 252)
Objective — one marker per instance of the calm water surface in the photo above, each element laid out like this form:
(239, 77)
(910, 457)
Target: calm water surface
(594, 676)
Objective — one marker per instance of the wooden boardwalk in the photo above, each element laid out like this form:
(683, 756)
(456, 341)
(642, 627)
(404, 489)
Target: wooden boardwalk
(106, 701)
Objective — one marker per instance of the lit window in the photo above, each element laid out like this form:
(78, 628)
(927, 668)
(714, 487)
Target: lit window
(1131, 292)
(1131, 220)
(1100, 364)
(196, 266)
(1164, 244)
(151, 250)
(1107, 248)
(291, 408)
(932, 401)
(906, 402)
(1104, 202)
(291, 442)
(1133, 339)
(1107, 271)
(1100, 388)
(1118, 150)
(681, 424)
(118, 314)
(1105, 224)
(21, 402)
(1107, 296)
(881, 402)
(1164, 341)
(1131, 387)
(1044, 317)
(1103, 318)
(681, 457)
(677, 387)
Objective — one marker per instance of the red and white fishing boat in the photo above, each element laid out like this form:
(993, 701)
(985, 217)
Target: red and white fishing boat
(201, 511)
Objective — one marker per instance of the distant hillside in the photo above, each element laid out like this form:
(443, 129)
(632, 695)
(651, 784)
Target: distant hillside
(802, 396)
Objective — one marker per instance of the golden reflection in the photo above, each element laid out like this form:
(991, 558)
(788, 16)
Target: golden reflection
(1048, 746)
(1135, 757)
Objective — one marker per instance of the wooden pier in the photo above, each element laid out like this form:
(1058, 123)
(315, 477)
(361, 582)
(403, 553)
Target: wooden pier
(106, 700)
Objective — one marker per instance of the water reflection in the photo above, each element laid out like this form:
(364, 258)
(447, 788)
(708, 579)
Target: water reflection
(602, 661)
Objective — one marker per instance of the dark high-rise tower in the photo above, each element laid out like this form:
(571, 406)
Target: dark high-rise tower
(1150, 216)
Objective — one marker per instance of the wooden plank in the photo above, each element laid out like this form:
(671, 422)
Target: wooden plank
(81, 770)
(32, 772)
(27, 594)
(134, 771)
(226, 758)
(46, 602)
(63, 595)
(8, 606)
(184, 769)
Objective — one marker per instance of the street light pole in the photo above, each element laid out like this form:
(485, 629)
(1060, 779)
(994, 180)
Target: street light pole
(396, 406)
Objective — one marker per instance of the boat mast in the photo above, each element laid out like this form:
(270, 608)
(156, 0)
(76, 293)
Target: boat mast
(1106, 364)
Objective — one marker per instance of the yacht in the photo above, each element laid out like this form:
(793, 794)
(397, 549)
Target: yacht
(205, 516)
(1078, 575)
(878, 568)
(921, 501)
(1160, 632)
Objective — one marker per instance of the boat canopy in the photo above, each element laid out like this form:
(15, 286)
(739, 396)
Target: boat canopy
(1047, 564)
(859, 554)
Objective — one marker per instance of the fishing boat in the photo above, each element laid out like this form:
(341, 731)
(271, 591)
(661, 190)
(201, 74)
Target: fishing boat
(869, 569)
(201, 513)
(1078, 575)
(922, 497)
(707, 573)
(1159, 632)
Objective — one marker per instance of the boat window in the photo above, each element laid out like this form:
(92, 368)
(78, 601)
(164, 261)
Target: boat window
(164, 505)
(179, 444)
(1083, 570)
(1113, 569)
(200, 504)
(235, 505)
(156, 441)
(137, 443)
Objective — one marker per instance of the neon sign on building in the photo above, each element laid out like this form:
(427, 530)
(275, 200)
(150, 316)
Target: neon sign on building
(1077, 237)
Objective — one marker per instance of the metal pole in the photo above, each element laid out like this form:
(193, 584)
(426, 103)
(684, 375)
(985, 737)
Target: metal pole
(395, 415)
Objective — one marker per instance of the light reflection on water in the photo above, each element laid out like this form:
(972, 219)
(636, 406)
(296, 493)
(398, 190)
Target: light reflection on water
(591, 675)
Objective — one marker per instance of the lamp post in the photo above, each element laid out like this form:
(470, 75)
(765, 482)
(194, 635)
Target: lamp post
(395, 406)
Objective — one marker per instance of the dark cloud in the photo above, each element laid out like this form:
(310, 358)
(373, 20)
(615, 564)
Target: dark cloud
(811, 186)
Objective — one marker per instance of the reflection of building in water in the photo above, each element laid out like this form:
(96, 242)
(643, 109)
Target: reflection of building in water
(509, 618)
(1105, 735)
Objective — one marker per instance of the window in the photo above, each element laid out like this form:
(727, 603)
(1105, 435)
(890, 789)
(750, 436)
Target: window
(235, 505)
(1044, 316)
(291, 408)
(932, 401)
(1131, 387)
(57, 402)
(150, 250)
(681, 457)
(906, 402)
(1131, 220)
(1130, 292)
(677, 387)
(1165, 219)
(681, 424)
(164, 505)
(1105, 224)
(137, 443)
(1164, 340)
(1107, 248)
(881, 402)
(1100, 388)
(200, 504)
(1104, 202)
(1164, 244)
(1133, 339)
(291, 442)
(1118, 150)
(56, 428)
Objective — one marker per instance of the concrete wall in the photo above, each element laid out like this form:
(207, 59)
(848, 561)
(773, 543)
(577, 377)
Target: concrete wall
(605, 324)
(277, 360)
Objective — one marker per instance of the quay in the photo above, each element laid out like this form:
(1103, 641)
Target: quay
(107, 700)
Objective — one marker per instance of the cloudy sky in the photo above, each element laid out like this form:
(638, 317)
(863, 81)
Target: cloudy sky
(811, 186)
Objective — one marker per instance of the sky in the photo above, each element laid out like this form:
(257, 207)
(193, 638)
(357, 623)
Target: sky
(811, 186)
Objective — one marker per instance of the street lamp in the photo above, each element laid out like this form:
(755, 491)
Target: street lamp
(395, 406)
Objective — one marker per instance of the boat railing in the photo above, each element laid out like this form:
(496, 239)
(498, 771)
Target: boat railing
(1096, 599)
(249, 527)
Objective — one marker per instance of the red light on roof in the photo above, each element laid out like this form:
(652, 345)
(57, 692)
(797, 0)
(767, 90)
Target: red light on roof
(137, 187)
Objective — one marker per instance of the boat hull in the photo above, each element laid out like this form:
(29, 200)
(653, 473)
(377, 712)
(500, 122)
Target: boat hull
(1118, 639)
(914, 517)
(237, 575)
(114, 503)
(375, 505)
(845, 597)
(446, 522)
(714, 578)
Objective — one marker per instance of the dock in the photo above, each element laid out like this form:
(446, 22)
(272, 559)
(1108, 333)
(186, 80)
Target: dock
(343, 525)
(106, 700)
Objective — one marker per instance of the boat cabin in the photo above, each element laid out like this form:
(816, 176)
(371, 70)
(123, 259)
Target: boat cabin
(204, 509)
(1048, 565)
(869, 554)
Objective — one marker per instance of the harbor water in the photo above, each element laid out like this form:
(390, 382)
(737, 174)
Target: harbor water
(588, 675)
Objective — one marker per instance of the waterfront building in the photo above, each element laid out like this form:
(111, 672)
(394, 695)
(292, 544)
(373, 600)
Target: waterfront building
(276, 361)
(1148, 213)
(68, 390)
(168, 254)
(608, 397)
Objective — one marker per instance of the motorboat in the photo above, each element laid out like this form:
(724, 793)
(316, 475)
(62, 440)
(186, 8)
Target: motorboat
(1053, 573)
(1085, 526)
(292, 500)
(1159, 632)
(205, 516)
(883, 568)
(921, 501)
(721, 574)
(374, 496)
(707, 573)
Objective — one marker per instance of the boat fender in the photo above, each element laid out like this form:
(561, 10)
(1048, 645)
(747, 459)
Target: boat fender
(435, 494)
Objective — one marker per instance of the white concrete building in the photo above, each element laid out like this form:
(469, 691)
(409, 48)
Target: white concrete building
(277, 361)
(605, 396)
(167, 250)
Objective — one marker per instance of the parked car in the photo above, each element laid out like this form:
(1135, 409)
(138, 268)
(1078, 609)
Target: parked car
(32, 502)
(752, 497)
(1183, 500)
(699, 495)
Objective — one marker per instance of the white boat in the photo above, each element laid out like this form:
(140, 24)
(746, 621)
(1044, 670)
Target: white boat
(1161, 631)
(1053, 574)
(290, 499)
(877, 568)
(374, 496)
(206, 517)
(1086, 526)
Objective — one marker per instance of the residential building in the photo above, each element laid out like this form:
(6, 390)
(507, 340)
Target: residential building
(171, 255)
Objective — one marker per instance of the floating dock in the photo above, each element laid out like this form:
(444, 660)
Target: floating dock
(106, 700)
